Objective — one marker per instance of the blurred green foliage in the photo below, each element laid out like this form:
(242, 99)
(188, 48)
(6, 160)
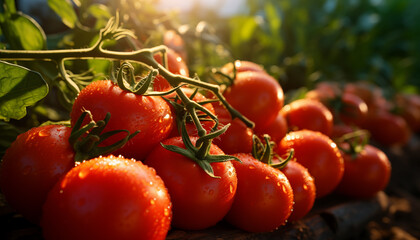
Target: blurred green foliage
(305, 41)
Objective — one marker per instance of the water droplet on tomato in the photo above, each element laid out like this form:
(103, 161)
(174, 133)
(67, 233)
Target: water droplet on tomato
(284, 189)
(251, 167)
(43, 133)
(305, 187)
(231, 188)
(166, 212)
(152, 201)
(267, 177)
(83, 174)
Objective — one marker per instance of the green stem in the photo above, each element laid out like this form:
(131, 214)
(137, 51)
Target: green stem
(144, 56)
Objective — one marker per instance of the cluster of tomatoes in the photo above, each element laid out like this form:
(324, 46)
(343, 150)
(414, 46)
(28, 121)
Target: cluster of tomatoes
(143, 189)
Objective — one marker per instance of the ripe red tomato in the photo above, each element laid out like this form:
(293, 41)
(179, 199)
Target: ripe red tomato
(304, 191)
(264, 198)
(408, 107)
(365, 175)
(353, 110)
(308, 114)
(32, 165)
(108, 198)
(199, 201)
(175, 65)
(150, 114)
(174, 41)
(237, 138)
(258, 96)
(388, 129)
(319, 154)
(242, 66)
(277, 129)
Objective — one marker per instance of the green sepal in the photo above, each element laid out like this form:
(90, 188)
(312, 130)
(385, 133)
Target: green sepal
(86, 139)
(126, 79)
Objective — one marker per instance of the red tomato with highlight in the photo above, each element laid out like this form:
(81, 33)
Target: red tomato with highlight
(175, 65)
(242, 66)
(366, 174)
(388, 129)
(31, 166)
(174, 41)
(304, 191)
(319, 154)
(237, 138)
(276, 129)
(199, 200)
(108, 198)
(264, 198)
(151, 115)
(308, 114)
(256, 95)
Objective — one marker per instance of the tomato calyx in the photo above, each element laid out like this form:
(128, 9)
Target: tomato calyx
(353, 143)
(264, 152)
(86, 139)
(200, 152)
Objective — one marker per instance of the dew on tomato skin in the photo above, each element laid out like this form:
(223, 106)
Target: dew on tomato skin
(231, 188)
(267, 177)
(251, 167)
(166, 212)
(284, 189)
(305, 187)
(152, 201)
(82, 174)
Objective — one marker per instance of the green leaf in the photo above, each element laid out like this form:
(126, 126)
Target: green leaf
(19, 88)
(273, 17)
(10, 6)
(65, 10)
(8, 135)
(23, 32)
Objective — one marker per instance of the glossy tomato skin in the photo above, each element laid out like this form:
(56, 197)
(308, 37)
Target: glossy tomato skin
(242, 66)
(264, 198)
(256, 95)
(108, 198)
(354, 111)
(176, 65)
(150, 114)
(304, 191)
(308, 114)
(199, 201)
(319, 154)
(174, 41)
(276, 129)
(32, 165)
(388, 129)
(366, 174)
(237, 138)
